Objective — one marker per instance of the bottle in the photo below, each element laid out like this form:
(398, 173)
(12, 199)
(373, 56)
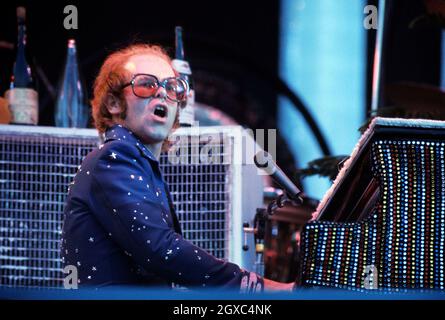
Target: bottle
(186, 114)
(22, 95)
(71, 105)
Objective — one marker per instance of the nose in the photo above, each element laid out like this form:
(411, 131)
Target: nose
(161, 92)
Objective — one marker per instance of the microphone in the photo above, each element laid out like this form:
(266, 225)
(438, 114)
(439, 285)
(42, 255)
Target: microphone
(263, 160)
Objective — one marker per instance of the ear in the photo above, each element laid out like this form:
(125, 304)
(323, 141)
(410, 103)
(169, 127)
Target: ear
(113, 105)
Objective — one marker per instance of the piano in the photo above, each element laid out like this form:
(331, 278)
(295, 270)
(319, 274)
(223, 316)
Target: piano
(381, 225)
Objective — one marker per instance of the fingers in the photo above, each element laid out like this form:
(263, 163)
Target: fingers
(250, 283)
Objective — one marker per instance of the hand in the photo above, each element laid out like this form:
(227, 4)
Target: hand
(271, 286)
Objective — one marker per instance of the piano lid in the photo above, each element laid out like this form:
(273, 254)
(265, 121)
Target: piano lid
(355, 191)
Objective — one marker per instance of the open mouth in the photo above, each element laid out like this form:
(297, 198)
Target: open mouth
(160, 111)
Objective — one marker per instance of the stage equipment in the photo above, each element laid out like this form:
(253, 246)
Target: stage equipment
(214, 189)
(382, 223)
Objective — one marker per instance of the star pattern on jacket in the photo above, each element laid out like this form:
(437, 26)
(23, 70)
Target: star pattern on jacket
(120, 219)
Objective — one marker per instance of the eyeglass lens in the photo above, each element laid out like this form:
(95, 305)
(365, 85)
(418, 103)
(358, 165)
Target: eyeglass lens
(145, 86)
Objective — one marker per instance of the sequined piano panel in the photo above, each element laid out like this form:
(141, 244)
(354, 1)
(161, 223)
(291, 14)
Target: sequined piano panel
(382, 223)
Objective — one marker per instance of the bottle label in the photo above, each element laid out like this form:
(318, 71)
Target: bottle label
(187, 114)
(23, 105)
(181, 66)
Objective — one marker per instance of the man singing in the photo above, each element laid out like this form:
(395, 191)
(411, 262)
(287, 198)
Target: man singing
(120, 227)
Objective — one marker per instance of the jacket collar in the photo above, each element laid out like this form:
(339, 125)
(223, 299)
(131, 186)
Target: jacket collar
(119, 132)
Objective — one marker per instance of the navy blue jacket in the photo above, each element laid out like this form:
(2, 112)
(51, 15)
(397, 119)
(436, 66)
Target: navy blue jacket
(120, 227)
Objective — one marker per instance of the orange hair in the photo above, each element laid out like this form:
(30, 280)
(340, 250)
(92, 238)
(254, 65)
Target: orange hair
(110, 79)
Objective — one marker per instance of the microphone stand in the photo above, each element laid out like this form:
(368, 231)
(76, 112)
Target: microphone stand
(280, 201)
(259, 226)
(263, 160)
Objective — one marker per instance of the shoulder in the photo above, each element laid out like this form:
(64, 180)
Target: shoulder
(117, 157)
(111, 151)
(121, 153)
(118, 148)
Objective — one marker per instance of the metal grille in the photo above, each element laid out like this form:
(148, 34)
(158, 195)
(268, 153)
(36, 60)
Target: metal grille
(34, 174)
(38, 163)
(201, 194)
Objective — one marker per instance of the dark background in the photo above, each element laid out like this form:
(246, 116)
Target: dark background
(231, 43)
(232, 47)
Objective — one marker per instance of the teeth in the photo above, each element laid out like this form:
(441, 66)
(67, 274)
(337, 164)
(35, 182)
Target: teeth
(160, 111)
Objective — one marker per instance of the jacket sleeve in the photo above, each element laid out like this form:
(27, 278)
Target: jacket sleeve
(125, 205)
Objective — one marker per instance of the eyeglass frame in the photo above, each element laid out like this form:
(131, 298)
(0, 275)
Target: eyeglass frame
(159, 84)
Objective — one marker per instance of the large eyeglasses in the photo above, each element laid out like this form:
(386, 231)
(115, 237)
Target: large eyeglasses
(146, 85)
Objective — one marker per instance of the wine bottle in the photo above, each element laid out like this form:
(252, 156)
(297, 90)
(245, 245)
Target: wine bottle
(71, 106)
(22, 95)
(186, 114)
